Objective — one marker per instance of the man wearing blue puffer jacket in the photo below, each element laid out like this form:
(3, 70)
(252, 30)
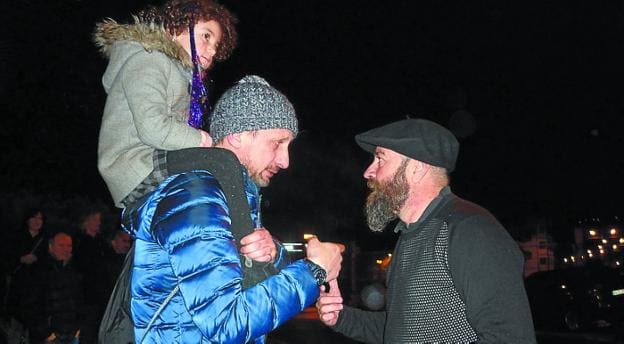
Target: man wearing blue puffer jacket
(187, 269)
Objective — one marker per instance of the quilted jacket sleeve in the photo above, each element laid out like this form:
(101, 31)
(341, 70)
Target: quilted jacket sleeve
(191, 223)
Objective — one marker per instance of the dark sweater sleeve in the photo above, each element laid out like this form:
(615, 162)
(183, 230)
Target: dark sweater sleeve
(487, 269)
(364, 326)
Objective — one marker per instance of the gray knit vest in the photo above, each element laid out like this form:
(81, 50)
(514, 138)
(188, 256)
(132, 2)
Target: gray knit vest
(423, 305)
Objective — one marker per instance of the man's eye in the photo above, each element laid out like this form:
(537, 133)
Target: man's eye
(207, 37)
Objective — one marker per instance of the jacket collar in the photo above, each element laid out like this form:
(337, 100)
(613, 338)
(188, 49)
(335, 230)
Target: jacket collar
(151, 36)
(435, 204)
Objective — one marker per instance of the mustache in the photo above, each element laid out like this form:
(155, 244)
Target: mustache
(373, 185)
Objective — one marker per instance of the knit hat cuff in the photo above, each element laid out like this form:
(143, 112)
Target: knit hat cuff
(251, 104)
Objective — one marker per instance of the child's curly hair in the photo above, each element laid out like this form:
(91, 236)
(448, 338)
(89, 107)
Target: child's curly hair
(175, 16)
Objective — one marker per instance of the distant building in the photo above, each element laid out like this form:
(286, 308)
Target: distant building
(539, 252)
(599, 241)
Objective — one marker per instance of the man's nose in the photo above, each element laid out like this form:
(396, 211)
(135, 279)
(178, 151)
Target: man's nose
(370, 171)
(282, 160)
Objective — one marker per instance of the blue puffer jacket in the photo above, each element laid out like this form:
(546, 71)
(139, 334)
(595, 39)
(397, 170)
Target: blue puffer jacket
(183, 239)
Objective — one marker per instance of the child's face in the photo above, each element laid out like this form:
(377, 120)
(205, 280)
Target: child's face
(207, 38)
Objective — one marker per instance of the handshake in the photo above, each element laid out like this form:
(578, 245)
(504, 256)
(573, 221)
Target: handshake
(327, 255)
(259, 246)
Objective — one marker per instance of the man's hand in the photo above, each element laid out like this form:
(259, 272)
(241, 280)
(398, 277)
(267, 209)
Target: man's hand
(327, 255)
(28, 259)
(259, 246)
(329, 303)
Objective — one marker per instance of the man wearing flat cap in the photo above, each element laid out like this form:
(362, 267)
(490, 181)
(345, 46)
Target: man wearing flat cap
(456, 274)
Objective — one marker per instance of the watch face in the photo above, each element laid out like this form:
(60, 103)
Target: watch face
(321, 276)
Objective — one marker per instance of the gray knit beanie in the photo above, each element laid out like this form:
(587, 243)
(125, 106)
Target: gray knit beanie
(251, 104)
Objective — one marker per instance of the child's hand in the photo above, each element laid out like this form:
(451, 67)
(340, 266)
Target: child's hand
(206, 140)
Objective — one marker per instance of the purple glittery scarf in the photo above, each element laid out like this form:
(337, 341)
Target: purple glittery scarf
(199, 93)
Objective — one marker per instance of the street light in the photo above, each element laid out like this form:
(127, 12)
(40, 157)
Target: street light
(307, 236)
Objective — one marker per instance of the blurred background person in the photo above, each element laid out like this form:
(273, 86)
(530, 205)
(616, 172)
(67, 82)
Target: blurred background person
(51, 302)
(90, 250)
(23, 248)
(119, 244)
(26, 243)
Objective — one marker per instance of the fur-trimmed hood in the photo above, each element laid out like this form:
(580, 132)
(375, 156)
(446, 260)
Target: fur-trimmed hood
(149, 35)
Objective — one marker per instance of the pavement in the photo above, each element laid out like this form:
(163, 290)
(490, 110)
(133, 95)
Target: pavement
(578, 338)
(306, 328)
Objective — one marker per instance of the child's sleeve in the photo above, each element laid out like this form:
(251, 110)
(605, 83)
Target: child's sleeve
(145, 83)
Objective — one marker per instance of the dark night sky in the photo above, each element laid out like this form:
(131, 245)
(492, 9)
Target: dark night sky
(532, 89)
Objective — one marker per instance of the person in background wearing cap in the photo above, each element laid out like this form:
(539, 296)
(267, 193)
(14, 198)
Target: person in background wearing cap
(185, 251)
(456, 274)
(150, 82)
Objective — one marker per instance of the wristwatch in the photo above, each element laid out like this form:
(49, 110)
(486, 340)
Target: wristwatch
(319, 274)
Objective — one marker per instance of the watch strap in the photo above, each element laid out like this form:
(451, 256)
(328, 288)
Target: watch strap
(319, 274)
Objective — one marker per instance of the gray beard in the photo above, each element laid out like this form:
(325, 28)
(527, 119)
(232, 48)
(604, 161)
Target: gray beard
(385, 200)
